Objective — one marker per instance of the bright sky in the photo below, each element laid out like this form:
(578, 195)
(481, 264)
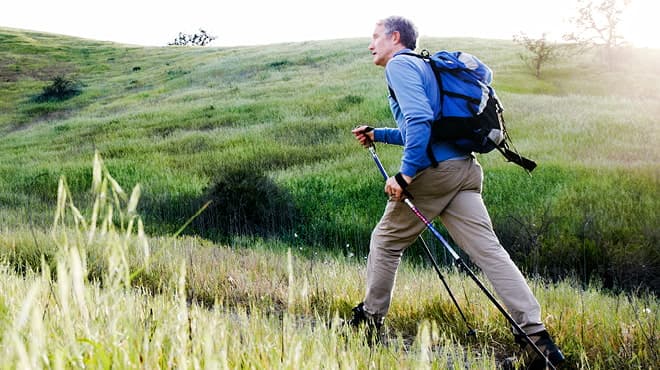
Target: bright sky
(254, 22)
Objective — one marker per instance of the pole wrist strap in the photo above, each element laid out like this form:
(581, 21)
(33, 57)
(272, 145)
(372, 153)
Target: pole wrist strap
(403, 184)
(401, 181)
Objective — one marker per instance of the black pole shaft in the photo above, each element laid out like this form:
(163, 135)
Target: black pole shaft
(471, 330)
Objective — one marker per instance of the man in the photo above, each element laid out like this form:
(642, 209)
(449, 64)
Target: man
(451, 190)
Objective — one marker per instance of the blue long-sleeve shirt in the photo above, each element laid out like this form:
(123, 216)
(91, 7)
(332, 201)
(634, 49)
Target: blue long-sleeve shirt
(416, 106)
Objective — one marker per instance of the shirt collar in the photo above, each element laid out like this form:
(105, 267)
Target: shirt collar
(404, 50)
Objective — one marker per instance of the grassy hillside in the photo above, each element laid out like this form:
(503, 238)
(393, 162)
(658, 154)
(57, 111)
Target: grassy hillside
(264, 132)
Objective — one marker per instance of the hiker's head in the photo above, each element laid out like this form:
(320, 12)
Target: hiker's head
(391, 35)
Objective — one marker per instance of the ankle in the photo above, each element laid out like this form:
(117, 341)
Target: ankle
(362, 316)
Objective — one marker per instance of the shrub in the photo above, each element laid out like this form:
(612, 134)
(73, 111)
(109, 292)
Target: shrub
(60, 89)
(244, 201)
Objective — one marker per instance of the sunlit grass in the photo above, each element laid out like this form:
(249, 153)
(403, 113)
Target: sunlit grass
(99, 293)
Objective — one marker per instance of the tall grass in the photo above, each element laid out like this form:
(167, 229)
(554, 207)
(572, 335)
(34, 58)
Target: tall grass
(109, 296)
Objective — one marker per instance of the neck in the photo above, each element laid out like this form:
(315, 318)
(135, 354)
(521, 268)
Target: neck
(395, 51)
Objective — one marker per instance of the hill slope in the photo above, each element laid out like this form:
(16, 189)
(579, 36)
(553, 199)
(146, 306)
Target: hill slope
(182, 121)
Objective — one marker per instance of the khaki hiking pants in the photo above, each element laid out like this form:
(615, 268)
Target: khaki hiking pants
(452, 190)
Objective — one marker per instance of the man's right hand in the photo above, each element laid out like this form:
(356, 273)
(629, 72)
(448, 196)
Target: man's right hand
(364, 134)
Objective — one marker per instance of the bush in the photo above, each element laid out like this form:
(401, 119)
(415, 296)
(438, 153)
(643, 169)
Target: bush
(60, 89)
(244, 201)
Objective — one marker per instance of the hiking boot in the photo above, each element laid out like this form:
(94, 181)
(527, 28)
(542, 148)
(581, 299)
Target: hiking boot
(359, 316)
(508, 363)
(373, 323)
(546, 345)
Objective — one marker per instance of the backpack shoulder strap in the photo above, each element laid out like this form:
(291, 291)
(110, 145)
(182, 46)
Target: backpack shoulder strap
(392, 94)
(426, 56)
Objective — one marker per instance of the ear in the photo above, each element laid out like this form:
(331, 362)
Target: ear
(396, 37)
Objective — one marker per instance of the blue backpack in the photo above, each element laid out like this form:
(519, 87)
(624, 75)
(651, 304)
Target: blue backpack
(471, 113)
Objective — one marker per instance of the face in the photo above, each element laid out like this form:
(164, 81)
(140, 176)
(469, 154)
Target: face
(383, 46)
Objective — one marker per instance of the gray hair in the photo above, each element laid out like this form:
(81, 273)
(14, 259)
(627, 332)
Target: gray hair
(406, 29)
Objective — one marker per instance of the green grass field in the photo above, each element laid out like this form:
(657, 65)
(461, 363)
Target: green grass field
(261, 276)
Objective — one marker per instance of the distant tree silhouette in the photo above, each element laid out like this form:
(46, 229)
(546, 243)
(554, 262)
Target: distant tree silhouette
(598, 23)
(202, 38)
(542, 51)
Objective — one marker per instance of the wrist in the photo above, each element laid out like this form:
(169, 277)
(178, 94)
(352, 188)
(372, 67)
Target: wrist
(402, 180)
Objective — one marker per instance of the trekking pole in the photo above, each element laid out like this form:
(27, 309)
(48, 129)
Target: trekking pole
(458, 260)
(471, 331)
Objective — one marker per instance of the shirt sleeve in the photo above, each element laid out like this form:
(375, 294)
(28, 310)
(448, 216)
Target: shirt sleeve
(388, 135)
(415, 112)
